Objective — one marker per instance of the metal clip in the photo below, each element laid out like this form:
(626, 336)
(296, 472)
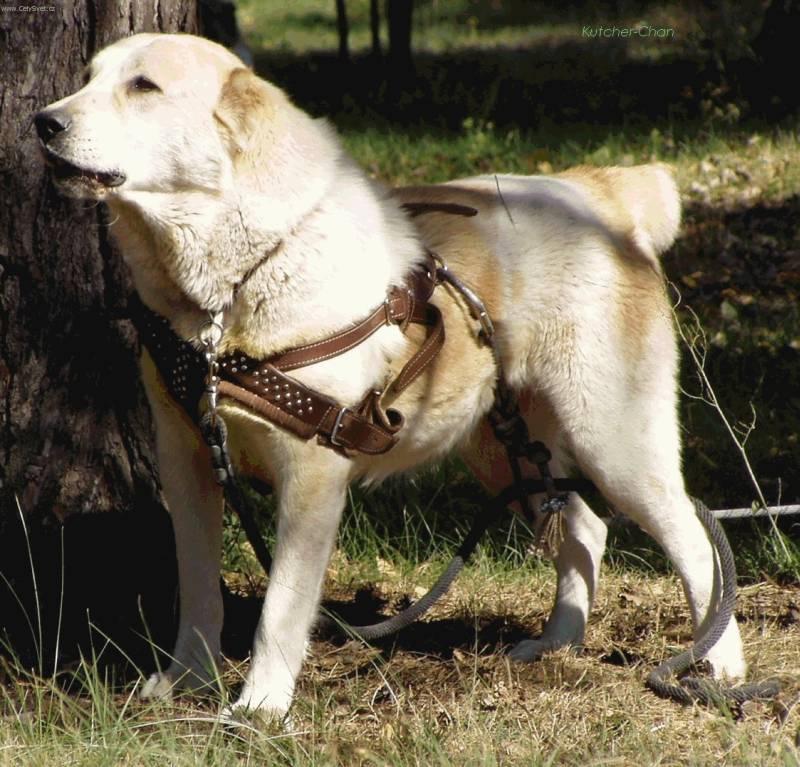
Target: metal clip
(210, 335)
(476, 306)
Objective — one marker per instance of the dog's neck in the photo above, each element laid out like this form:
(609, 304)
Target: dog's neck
(283, 275)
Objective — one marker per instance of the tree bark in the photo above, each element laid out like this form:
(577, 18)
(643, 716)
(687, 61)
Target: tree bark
(75, 432)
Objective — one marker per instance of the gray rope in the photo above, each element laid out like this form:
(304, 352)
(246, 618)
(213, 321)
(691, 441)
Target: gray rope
(417, 609)
(694, 689)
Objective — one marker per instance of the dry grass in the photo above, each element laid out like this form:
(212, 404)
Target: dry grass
(444, 692)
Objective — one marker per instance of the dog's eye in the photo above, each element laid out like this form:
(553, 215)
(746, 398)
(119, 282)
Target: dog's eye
(143, 85)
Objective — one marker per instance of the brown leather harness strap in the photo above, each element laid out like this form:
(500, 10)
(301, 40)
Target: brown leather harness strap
(402, 306)
(263, 386)
(419, 208)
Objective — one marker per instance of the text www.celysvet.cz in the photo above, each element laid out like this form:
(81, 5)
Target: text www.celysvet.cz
(27, 9)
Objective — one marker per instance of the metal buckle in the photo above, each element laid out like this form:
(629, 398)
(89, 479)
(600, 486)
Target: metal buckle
(337, 424)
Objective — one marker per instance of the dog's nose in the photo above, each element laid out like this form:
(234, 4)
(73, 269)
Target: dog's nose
(50, 124)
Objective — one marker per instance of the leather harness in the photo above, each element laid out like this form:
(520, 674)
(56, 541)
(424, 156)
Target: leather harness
(264, 386)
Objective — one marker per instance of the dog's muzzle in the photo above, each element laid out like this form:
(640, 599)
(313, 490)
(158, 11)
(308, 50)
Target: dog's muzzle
(52, 126)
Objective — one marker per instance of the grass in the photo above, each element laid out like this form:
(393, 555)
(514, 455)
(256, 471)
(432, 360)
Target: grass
(443, 694)
(510, 86)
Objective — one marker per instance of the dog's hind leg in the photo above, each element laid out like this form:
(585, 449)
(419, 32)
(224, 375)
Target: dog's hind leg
(578, 570)
(631, 451)
(580, 553)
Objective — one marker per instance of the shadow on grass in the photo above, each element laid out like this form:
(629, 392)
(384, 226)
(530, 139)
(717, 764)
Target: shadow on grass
(739, 269)
(110, 597)
(439, 638)
(552, 84)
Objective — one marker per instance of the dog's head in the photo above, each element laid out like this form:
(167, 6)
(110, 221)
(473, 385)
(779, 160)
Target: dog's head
(158, 114)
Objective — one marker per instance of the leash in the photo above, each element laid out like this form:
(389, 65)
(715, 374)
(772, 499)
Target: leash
(688, 690)
(704, 690)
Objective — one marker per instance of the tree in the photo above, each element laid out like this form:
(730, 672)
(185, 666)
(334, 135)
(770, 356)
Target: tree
(398, 16)
(375, 28)
(776, 49)
(74, 426)
(343, 30)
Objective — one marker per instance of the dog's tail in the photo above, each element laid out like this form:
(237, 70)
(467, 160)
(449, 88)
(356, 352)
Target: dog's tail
(642, 200)
(650, 195)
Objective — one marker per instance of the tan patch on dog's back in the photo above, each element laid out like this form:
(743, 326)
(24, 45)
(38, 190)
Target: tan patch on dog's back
(640, 205)
(456, 239)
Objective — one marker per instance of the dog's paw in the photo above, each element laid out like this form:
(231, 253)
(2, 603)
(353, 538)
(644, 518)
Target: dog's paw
(159, 686)
(263, 718)
(529, 650)
(729, 666)
(164, 684)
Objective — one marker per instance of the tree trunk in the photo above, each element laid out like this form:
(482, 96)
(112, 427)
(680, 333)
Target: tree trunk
(375, 28)
(75, 431)
(343, 29)
(777, 53)
(398, 16)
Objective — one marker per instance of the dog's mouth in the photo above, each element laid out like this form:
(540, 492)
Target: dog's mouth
(68, 174)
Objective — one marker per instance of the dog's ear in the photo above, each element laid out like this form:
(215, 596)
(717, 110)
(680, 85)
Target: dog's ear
(246, 111)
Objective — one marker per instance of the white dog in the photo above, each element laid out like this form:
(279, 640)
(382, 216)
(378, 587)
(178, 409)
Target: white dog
(226, 197)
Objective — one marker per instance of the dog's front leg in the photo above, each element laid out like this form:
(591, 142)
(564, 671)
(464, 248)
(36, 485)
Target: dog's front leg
(312, 489)
(195, 506)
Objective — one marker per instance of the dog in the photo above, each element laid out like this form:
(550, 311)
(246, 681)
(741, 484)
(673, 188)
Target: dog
(225, 197)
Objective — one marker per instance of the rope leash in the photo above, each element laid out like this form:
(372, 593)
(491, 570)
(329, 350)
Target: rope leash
(687, 690)
(215, 435)
(708, 691)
